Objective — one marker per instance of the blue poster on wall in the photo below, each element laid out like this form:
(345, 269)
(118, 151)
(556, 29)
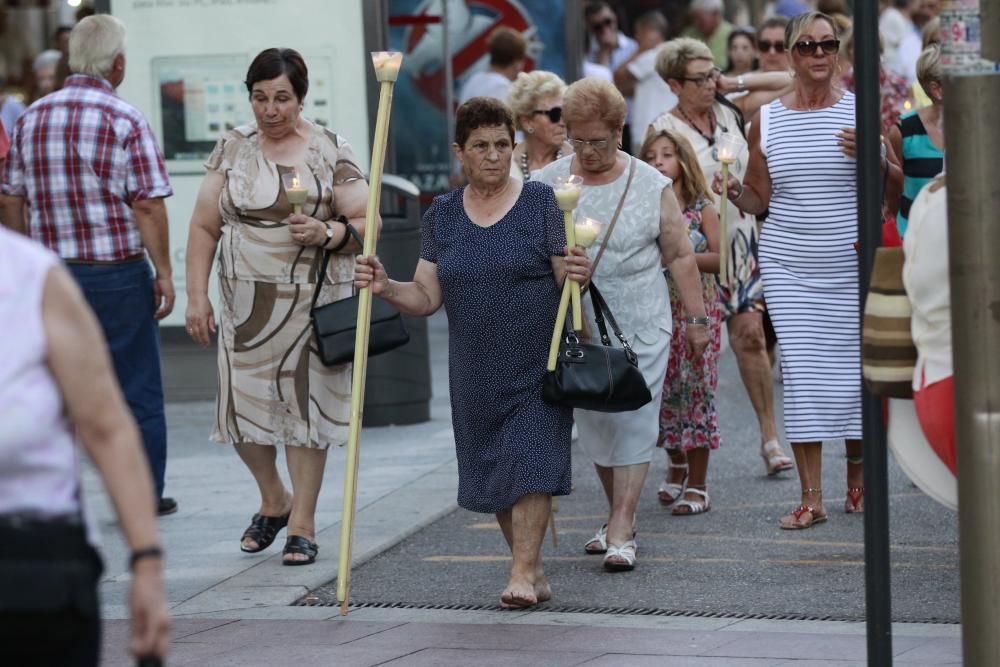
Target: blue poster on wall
(420, 123)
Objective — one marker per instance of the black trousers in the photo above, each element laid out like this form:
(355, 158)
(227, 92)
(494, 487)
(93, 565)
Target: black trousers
(63, 638)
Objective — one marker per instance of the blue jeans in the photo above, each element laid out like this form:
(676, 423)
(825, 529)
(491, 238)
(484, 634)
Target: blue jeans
(121, 295)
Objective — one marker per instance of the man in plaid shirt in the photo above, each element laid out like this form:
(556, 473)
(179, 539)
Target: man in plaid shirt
(88, 168)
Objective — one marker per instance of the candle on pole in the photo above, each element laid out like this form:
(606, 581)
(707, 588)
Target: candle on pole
(585, 232)
(386, 71)
(568, 196)
(728, 149)
(295, 190)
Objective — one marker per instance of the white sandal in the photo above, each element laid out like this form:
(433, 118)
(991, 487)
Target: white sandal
(693, 506)
(625, 552)
(669, 492)
(774, 458)
(600, 539)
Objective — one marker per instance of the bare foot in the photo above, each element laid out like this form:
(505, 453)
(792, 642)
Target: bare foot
(519, 594)
(543, 592)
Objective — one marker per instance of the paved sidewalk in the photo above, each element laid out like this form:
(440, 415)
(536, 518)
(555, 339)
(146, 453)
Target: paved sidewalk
(232, 608)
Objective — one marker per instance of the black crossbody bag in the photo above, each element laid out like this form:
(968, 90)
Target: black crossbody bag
(335, 324)
(598, 377)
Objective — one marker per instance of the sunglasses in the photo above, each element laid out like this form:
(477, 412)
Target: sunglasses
(601, 26)
(808, 47)
(554, 114)
(765, 46)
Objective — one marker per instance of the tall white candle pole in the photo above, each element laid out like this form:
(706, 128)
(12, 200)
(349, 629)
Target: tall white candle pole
(728, 148)
(386, 71)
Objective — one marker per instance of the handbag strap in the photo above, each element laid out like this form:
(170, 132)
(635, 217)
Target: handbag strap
(326, 262)
(614, 218)
(601, 310)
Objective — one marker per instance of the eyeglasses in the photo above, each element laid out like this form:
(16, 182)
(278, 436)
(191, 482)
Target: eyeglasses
(554, 114)
(808, 47)
(601, 26)
(596, 144)
(707, 79)
(765, 46)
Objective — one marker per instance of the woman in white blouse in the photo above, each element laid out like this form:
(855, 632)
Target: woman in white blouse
(649, 235)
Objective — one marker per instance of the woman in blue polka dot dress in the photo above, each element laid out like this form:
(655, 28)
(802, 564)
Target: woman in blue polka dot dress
(493, 253)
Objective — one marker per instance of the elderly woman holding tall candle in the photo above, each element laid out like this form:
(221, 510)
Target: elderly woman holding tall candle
(649, 234)
(494, 254)
(277, 194)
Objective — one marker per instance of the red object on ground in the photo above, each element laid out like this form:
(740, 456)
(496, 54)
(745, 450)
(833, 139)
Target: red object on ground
(935, 405)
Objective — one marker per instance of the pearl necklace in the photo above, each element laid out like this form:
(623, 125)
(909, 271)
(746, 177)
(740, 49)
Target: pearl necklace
(524, 163)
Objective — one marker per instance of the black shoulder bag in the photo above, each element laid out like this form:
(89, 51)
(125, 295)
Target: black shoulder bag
(598, 377)
(335, 324)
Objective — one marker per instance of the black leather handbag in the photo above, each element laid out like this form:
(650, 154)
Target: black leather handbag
(335, 326)
(597, 377)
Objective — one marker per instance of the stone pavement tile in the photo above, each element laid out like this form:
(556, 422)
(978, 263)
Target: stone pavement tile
(279, 654)
(821, 663)
(244, 597)
(941, 651)
(622, 621)
(460, 616)
(633, 660)
(115, 634)
(630, 640)
(260, 633)
(463, 657)
(801, 646)
(416, 636)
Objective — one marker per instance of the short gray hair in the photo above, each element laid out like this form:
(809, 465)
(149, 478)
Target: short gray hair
(528, 88)
(94, 44)
(46, 59)
(707, 6)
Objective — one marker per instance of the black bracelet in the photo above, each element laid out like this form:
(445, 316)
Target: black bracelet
(142, 554)
(347, 235)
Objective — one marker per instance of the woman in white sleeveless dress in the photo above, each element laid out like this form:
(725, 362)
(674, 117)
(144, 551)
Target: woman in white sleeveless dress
(802, 170)
(649, 234)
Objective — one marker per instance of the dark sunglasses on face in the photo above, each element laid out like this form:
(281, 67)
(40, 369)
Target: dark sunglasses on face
(765, 46)
(554, 114)
(808, 47)
(601, 26)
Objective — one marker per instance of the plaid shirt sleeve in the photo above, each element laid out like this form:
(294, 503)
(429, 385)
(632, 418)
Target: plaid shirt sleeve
(13, 176)
(147, 175)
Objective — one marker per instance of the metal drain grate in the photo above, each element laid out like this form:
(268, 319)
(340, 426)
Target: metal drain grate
(314, 601)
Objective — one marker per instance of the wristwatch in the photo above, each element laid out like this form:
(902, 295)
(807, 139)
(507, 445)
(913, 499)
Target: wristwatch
(691, 319)
(741, 84)
(329, 235)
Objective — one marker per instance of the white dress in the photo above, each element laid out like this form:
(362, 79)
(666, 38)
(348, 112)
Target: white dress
(631, 279)
(810, 268)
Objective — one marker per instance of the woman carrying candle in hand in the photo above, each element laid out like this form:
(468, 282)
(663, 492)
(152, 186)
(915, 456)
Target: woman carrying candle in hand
(649, 234)
(494, 254)
(689, 426)
(273, 389)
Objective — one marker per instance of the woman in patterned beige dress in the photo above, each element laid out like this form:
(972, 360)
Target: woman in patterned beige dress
(273, 389)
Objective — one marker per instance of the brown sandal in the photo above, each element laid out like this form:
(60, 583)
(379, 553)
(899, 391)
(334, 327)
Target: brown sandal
(795, 521)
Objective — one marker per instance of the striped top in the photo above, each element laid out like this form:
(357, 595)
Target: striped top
(922, 161)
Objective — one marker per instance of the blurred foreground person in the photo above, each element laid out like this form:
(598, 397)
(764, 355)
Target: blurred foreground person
(57, 386)
(494, 254)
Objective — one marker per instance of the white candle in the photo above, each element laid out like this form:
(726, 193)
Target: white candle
(387, 64)
(587, 230)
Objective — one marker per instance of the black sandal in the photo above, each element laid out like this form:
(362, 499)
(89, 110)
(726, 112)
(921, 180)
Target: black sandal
(297, 544)
(263, 530)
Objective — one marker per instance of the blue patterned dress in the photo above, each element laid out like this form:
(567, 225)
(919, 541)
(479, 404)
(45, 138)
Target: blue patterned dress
(501, 299)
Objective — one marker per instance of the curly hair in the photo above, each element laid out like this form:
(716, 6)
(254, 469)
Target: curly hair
(481, 112)
(594, 99)
(528, 88)
(674, 56)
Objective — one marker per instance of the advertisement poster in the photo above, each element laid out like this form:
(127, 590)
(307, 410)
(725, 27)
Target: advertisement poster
(420, 123)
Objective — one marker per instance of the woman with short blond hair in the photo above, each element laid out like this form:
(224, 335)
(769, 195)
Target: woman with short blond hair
(536, 101)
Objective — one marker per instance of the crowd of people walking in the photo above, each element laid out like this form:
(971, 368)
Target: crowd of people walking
(85, 178)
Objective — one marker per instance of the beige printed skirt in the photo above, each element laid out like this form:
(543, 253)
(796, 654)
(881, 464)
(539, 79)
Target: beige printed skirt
(273, 388)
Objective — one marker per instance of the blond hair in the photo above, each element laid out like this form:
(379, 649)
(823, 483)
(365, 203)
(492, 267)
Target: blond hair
(594, 99)
(674, 56)
(798, 26)
(528, 88)
(929, 67)
(94, 44)
(693, 185)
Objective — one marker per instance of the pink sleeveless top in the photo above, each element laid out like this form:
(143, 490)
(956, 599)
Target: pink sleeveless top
(39, 471)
